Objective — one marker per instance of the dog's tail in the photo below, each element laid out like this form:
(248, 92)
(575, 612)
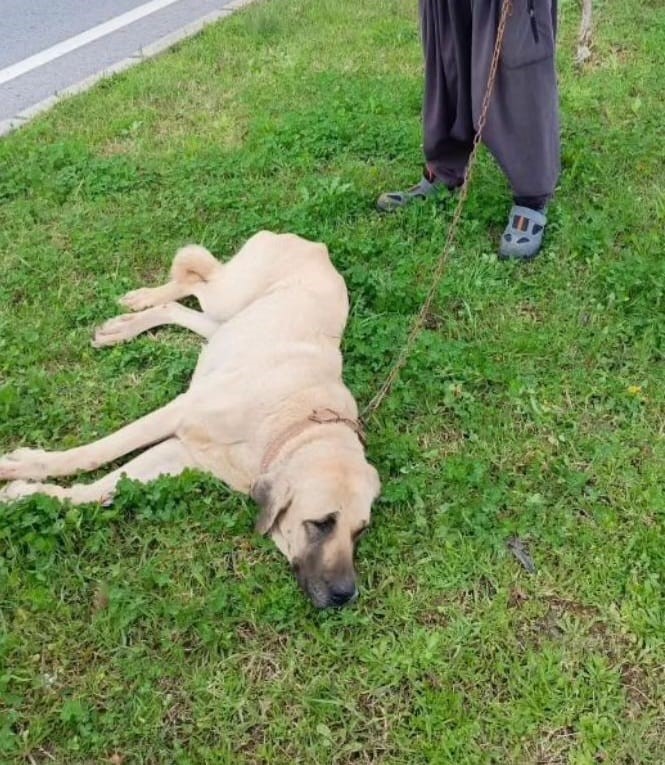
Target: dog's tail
(194, 263)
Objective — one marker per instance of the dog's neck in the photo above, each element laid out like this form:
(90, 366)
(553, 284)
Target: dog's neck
(278, 448)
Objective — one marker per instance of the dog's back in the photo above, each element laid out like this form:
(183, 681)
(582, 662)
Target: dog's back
(279, 295)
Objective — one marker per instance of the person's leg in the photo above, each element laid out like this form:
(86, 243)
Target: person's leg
(447, 115)
(522, 129)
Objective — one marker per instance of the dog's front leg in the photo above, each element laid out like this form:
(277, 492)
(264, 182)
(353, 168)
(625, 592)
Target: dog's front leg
(168, 458)
(37, 464)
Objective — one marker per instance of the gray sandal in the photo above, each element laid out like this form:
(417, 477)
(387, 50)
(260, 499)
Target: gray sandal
(429, 186)
(523, 236)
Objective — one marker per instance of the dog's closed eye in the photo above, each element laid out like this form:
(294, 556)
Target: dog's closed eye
(322, 527)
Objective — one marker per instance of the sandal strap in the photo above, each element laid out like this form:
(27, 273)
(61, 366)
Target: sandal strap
(522, 219)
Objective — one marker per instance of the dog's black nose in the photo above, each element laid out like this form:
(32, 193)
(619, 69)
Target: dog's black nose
(342, 593)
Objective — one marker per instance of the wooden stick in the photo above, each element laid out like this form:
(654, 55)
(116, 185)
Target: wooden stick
(586, 27)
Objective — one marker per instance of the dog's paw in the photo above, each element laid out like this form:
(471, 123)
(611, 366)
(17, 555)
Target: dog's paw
(19, 489)
(16, 490)
(137, 300)
(115, 330)
(24, 463)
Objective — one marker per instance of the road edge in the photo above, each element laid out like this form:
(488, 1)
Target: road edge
(23, 117)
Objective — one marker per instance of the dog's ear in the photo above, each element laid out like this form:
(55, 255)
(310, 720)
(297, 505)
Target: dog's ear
(274, 496)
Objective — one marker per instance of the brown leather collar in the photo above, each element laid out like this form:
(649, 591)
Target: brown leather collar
(317, 417)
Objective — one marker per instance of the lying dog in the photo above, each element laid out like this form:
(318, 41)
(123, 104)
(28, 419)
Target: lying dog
(266, 411)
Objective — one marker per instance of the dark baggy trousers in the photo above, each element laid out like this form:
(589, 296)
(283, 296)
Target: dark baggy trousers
(522, 129)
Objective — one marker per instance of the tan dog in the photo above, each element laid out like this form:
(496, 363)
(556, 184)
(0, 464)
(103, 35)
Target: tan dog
(266, 411)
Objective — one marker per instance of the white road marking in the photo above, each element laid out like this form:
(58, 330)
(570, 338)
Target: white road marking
(90, 35)
(147, 51)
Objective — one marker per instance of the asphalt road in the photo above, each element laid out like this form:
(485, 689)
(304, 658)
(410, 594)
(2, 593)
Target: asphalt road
(50, 45)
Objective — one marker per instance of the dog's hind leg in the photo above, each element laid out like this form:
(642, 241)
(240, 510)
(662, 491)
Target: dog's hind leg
(129, 325)
(37, 464)
(168, 458)
(191, 266)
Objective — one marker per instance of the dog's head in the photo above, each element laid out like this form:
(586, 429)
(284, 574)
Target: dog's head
(316, 518)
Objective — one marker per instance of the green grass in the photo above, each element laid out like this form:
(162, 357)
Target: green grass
(162, 630)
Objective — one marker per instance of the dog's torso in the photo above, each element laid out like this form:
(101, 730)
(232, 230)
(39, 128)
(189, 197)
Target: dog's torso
(273, 361)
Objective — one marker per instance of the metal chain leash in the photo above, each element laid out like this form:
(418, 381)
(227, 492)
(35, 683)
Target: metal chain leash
(421, 317)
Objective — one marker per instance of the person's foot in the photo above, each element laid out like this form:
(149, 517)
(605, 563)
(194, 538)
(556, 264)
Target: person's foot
(429, 186)
(523, 236)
